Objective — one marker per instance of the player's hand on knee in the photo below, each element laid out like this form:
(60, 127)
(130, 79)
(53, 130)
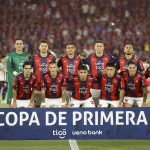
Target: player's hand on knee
(31, 105)
(14, 105)
(43, 105)
(144, 104)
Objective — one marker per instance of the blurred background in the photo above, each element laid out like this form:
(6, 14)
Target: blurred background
(80, 21)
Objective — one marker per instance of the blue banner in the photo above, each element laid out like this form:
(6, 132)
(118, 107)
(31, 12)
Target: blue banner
(71, 123)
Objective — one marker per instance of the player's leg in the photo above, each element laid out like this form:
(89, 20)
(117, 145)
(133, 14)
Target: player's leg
(53, 103)
(89, 103)
(128, 101)
(139, 101)
(103, 103)
(9, 93)
(114, 103)
(96, 92)
(23, 103)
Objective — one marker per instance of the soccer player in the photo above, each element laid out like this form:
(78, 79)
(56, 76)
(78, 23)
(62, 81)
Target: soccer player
(40, 63)
(135, 86)
(23, 88)
(122, 63)
(147, 75)
(14, 62)
(82, 83)
(112, 87)
(97, 64)
(3, 78)
(69, 64)
(54, 87)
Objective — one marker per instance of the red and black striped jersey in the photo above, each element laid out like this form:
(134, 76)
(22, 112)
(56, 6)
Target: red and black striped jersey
(134, 85)
(69, 66)
(53, 85)
(24, 87)
(122, 63)
(81, 89)
(96, 64)
(110, 86)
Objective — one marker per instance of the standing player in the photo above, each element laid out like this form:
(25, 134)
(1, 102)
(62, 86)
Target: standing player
(23, 88)
(3, 78)
(135, 86)
(122, 63)
(40, 63)
(82, 83)
(112, 87)
(53, 87)
(69, 64)
(97, 64)
(14, 62)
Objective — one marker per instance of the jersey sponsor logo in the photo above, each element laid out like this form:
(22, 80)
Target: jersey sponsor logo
(53, 88)
(83, 90)
(131, 86)
(70, 68)
(109, 88)
(43, 68)
(25, 89)
(100, 66)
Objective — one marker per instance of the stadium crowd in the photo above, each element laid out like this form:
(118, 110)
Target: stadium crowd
(83, 22)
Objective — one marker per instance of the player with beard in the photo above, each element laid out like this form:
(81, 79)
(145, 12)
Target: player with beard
(69, 64)
(40, 63)
(122, 63)
(97, 64)
(135, 86)
(23, 88)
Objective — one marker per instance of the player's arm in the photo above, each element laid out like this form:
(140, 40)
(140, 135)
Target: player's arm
(59, 64)
(43, 105)
(64, 103)
(43, 89)
(14, 104)
(121, 93)
(31, 105)
(15, 89)
(144, 85)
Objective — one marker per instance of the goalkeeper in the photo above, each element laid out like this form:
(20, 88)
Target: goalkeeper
(14, 63)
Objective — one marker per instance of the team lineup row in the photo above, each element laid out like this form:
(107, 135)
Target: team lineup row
(74, 81)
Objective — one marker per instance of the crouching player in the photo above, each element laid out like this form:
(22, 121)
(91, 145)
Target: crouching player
(23, 88)
(82, 83)
(112, 87)
(53, 87)
(135, 86)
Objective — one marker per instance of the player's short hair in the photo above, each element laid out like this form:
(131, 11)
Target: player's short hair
(128, 43)
(82, 67)
(27, 63)
(70, 43)
(132, 63)
(44, 41)
(109, 64)
(99, 41)
(52, 62)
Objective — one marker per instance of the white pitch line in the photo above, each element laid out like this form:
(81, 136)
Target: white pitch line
(73, 145)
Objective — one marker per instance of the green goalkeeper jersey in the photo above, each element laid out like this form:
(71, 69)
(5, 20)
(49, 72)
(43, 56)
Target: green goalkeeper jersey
(14, 65)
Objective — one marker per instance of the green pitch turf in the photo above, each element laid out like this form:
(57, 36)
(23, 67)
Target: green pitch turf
(82, 144)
